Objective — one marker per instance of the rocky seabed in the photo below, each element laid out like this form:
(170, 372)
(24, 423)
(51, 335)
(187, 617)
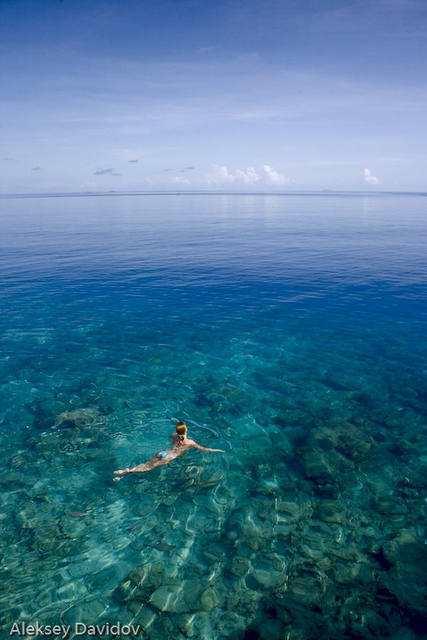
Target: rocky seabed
(312, 525)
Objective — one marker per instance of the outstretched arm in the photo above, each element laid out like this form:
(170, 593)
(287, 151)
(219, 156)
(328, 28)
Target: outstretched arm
(198, 446)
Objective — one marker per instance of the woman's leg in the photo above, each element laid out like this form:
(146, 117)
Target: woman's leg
(153, 462)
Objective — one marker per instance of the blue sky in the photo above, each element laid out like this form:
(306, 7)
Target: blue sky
(205, 94)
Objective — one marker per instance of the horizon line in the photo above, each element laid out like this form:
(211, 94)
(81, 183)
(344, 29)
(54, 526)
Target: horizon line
(174, 192)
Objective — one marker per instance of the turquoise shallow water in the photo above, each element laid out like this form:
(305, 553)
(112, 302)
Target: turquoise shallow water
(289, 331)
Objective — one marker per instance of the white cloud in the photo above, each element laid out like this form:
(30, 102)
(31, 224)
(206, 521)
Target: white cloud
(180, 180)
(249, 176)
(369, 178)
(274, 177)
(219, 175)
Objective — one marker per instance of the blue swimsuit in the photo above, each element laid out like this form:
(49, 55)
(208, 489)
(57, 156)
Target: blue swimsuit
(165, 454)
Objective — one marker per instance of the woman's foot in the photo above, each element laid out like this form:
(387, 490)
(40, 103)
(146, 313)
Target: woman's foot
(121, 473)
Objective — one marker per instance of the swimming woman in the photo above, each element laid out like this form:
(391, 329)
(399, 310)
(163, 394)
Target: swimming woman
(180, 444)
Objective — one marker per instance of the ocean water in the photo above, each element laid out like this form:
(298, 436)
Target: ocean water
(289, 330)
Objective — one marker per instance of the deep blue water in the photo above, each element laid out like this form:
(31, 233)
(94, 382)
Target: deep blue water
(288, 330)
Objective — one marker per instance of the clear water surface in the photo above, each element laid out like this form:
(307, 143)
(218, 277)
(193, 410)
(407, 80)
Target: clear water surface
(289, 331)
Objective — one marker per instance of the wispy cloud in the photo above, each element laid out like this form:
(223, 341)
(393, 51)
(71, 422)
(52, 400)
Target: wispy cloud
(206, 49)
(186, 169)
(133, 160)
(369, 178)
(103, 172)
(248, 57)
(36, 169)
(180, 180)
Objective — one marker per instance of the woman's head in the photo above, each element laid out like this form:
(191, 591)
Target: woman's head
(181, 429)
